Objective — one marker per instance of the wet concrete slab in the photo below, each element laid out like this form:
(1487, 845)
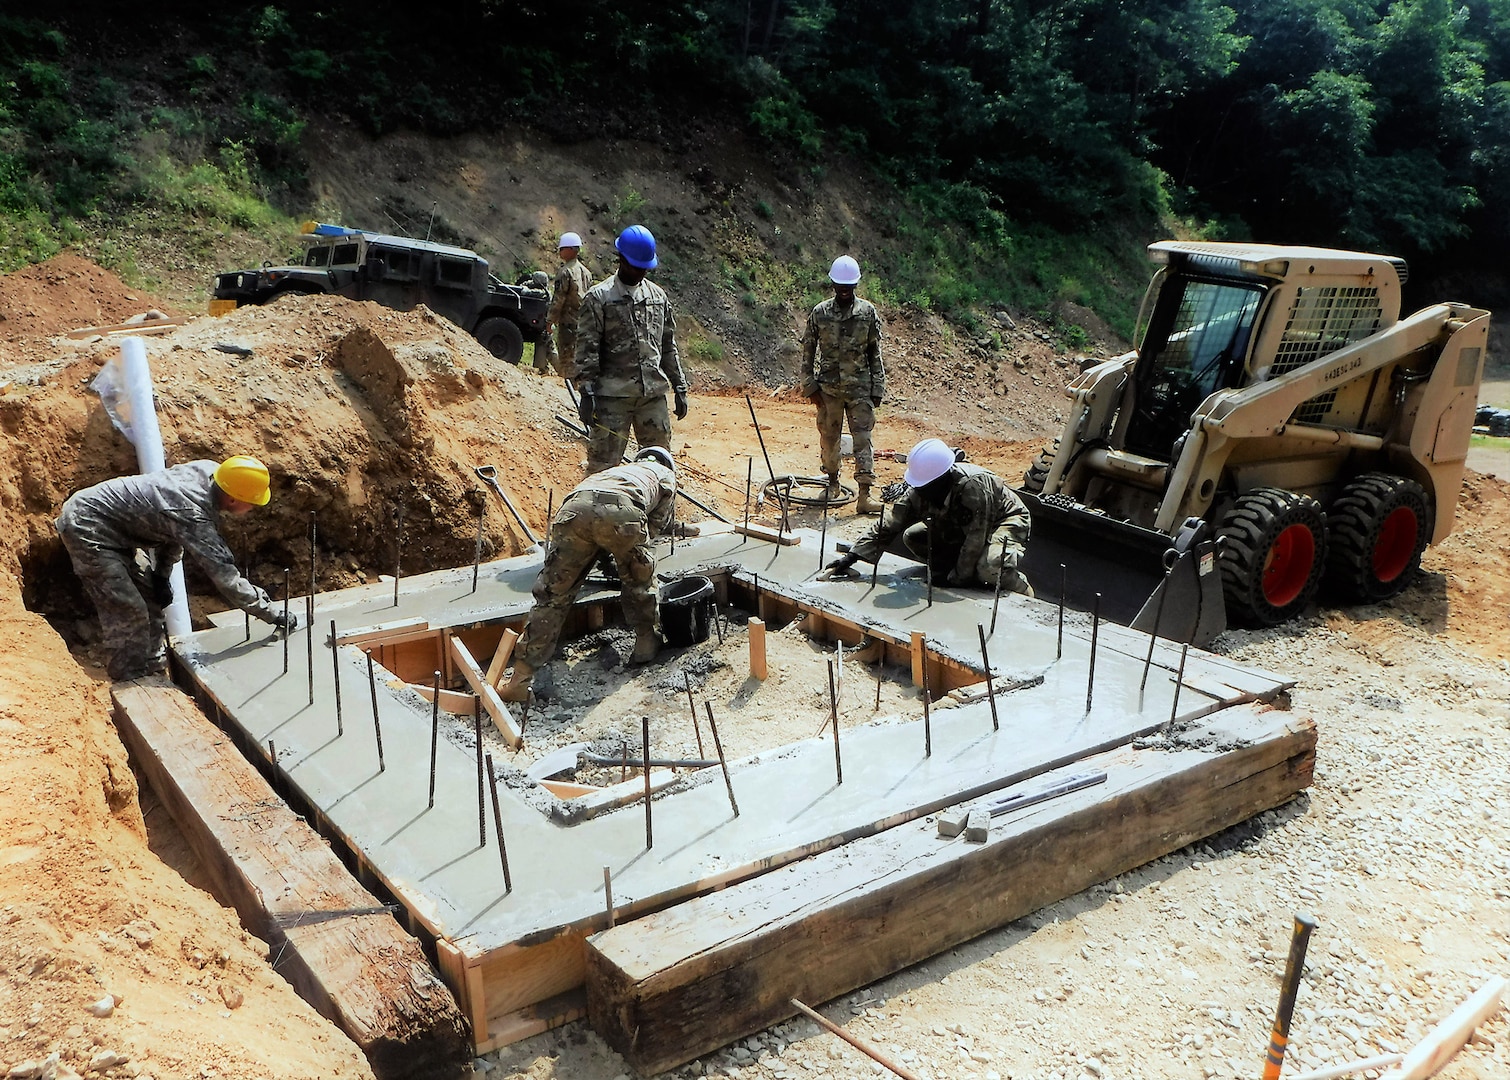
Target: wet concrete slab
(789, 799)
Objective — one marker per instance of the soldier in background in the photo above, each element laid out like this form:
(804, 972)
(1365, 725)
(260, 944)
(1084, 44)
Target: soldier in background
(843, 375)
(614, 513)
(961, 519)
(168, 513)
(626, 356)
(572, 283)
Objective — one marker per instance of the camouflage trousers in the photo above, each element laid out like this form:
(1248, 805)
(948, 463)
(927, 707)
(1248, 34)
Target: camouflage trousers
(612, 420)
(131, 625)
(590, 522)
(1003, 551)
(558, 356)
(832, 411)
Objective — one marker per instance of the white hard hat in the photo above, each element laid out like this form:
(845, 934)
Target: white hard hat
(845, 271)
(927, 461)
(659, 454)
(570, 239)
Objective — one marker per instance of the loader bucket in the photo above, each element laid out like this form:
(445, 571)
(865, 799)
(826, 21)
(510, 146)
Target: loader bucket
(1144, 577)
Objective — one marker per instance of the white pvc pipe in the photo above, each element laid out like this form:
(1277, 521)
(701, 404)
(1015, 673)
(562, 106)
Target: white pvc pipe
(147, 437)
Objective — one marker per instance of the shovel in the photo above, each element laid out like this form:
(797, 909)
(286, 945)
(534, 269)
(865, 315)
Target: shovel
(489, 476)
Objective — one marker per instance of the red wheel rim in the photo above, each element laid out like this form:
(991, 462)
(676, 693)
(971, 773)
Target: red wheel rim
(1396, 544)
(1288, 565)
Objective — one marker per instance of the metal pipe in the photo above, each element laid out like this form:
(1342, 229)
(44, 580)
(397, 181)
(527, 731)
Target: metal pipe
(833, 716)
(335, 665)
(1153, 637)
(1001, 571)
(761, 437)
(377, 724)
(645, 742)
(434, 738)
(985, 660)
(691, 704)
(503, 851)
(608, 893)
(482, 513)
(482, 817)
(722, 761)
(398, 553)
(1090, 678)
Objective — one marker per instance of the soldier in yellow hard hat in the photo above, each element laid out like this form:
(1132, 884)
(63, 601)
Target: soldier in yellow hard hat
(165, 514)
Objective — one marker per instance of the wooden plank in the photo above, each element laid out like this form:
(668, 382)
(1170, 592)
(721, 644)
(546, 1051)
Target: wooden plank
(151, 326)
(768, 534)
(452, 701)
(385, 633)
(502, 718)
(361, 971)
(563, 790)
(516, 976)
(1443, 1041)
(671, 986)
(758, 669)
(533, 1019)
(501, 656)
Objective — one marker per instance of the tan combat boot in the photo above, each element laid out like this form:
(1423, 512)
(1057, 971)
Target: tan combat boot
(835, 489)
(647, 643)
(865, 504)
(517, 689)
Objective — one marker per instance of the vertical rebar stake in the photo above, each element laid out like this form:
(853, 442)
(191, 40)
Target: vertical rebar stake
(691, 704)
(286, 586)
(434, 737)
(749, 480)
(880, 670)
(645, 743)
(482, 512)
(246, 561)
(1174, 707)
(309, 613)
(272, 758)
(1064, 584)
(398, 553)
(313, 533)
(608, 893)
(335, 666)
(1090, 678)
(1153, 637)
(875, 568)
(482, 814)
(833, 717)
(985, 660)
(1001, 572)
(503, 851)
(722, 761)
(823, 531)
(929, 528)
(377, 724)
(927, 717)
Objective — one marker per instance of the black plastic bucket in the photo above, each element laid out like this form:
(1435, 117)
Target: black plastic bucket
(687, 610)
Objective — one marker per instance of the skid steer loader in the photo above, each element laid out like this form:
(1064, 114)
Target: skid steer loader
(1277, 427)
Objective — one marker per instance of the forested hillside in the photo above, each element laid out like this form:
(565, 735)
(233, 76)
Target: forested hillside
(1026, 143)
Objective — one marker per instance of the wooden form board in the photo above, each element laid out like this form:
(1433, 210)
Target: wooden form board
(361, 971)
(671, 986)
(477, 679)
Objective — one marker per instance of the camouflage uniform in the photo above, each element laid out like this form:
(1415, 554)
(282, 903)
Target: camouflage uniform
(626, 356)
(572, 283)
(168, 513)
(843, 374)
(618, 511)
(978, 514)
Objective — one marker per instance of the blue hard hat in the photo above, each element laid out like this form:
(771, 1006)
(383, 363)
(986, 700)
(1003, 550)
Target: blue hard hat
(638, 247)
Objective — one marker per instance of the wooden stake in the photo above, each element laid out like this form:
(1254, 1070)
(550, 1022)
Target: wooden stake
(722, 761)
(757, 649)
(608, 893)
(501, 657)
(1444, 1040)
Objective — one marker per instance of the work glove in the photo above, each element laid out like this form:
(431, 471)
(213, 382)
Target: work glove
(681, 404)
(587, 404)
(288, 622)
(841, 567)
(161, 588)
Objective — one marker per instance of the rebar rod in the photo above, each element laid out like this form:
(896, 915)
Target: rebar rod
(377, 724)
(1064, 584)
(929, 534)
(985, 660)
(833, 715)
(723, 762)
(645, 742)
(749, 481)
(1153, 637)
(335, 671)
(286, 585)
(398, 553)
(927, 716)
(823, 530)
(1179, 678)
(761, 437)
(482, 513)
(503, 850)
(1090, 678)
(691, 704)
(482, 814)
(434, 738)
(1001, 572)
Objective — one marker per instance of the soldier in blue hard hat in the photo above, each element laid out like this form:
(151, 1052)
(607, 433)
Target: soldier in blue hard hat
(626, 356)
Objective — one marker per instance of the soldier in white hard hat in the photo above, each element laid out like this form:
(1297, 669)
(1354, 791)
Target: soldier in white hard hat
(967, 520)
(167, 514)
(572, 282)
(843, 375)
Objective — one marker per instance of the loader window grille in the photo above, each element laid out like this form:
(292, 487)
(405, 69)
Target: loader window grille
(1324, 319)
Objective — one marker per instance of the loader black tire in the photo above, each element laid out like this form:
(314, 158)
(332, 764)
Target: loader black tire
(1274, 554)
(1038, 472)
(502, 338)
(1376, 531)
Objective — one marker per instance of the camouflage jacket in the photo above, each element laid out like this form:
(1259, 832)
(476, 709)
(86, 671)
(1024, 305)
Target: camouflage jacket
(977, 503)
(626, 341)
(841, 352)
(170, 512)
(572, 283)
(648, 484)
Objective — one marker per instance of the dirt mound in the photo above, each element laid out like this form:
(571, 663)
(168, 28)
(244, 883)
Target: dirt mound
(65, 293)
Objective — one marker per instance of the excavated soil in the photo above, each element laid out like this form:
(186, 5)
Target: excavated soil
(1169, 971)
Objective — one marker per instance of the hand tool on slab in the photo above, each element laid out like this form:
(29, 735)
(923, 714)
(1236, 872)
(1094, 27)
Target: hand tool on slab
(489, 475)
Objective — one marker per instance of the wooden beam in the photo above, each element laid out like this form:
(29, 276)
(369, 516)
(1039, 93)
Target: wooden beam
(679, 983)
(768, 534)
(502, 718)
(757, 649)
(363, 972)
(390, 633)
(501, 656)
(151, 326)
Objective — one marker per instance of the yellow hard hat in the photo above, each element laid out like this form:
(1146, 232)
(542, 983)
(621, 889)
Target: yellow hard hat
(244, 478)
